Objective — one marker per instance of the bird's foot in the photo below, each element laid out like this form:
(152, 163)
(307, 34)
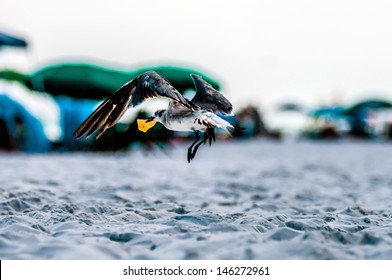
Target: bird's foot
(190, 155)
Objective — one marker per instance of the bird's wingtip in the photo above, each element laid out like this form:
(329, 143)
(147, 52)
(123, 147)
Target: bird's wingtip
(195, 76)
(77, 135)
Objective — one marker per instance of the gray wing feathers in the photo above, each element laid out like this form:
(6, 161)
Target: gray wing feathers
(176, 107)
(151, 85)
(208, 98)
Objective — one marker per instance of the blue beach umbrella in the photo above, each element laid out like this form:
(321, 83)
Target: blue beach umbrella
(11, 41)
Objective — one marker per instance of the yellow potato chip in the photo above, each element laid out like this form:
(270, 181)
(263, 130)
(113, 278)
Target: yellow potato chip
(143, 125)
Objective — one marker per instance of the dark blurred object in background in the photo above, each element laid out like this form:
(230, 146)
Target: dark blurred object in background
(251, 120)
(6, 142)
(370, 118)
(327, 122)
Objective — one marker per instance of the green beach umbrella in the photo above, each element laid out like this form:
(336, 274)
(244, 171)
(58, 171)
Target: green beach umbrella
(95, 82)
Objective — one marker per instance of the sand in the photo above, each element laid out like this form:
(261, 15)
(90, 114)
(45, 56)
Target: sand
(236, 200)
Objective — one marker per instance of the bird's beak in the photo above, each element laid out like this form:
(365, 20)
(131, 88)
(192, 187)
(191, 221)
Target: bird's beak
(144, 125)
(150, 119)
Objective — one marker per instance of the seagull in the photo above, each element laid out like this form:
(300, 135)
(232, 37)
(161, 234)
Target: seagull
(197, 115)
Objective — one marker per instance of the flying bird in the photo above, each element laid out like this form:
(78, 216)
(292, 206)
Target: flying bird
(197, 115)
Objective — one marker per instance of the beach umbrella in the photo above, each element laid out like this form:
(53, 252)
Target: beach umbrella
(96, 82)
(8, 40)
(359, 114)
(368, 104)
(330, 111)
(13, 75)
(19, 129)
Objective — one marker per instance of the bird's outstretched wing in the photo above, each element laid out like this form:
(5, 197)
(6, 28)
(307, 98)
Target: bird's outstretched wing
(147, 85)
(208, 98)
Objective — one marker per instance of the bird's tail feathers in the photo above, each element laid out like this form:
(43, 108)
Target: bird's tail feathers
(225, 125)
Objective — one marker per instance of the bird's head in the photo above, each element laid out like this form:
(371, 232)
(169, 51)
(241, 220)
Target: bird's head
(157, 116)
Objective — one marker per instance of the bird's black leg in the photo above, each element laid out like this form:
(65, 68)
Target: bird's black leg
(211, 134)
(190, 157)
(206, 137)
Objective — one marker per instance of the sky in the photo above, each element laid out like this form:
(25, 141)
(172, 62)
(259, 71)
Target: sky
(263, 52)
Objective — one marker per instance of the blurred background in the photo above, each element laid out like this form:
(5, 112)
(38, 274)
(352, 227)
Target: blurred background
(292, 69)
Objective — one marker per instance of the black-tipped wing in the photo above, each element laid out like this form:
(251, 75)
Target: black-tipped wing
(208, 98)
(147, 85)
